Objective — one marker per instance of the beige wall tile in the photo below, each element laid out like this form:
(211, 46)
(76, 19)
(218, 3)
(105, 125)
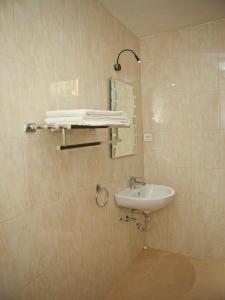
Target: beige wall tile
(221, 67)
(22, 244)
(180, 234)
(7, 29)
(208, 188)
(208, 208)
(42, 171)
(36, 92)
(53, 237)
(170, 149)
(170, 111)
(10, 90)
(207, 149)
(219, 28)
(13, 200)
(188, 133)
(167, 75)
(26, 15)
(38, 289)
(158, 230)
(204, 72)
(204, 107)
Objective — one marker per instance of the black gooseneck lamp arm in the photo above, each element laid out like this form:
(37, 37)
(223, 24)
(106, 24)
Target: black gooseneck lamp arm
(117, 66)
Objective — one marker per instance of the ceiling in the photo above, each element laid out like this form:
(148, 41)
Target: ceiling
(147, 17)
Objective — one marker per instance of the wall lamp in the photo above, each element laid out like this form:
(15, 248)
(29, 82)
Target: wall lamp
(117, 66)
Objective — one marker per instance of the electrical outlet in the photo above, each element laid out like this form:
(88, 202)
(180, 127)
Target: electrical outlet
(147, 137)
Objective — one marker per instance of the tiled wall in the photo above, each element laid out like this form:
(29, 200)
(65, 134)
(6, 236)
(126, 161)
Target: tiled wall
(55, 243)
(183, 90)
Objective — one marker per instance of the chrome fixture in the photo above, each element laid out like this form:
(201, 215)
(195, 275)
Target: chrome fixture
(117, 66)
(100, 189)
(33, 127)
(143, 226)
(133, 181)
(140, 226)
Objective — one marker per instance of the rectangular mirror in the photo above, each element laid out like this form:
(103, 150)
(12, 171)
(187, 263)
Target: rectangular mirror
(123, 139)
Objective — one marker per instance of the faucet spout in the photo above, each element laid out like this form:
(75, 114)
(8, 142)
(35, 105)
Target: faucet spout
(140, 182)
(133, 181)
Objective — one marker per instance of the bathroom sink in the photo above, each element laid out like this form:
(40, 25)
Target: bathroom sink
(148, 197)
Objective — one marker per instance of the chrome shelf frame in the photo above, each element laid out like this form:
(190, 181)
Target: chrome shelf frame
(33, 127)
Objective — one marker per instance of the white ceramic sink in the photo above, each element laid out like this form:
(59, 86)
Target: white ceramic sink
(148, 197)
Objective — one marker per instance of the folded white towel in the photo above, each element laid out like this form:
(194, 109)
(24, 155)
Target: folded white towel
(86, 122)
(106, 113)
(82, 113)
(94, 117)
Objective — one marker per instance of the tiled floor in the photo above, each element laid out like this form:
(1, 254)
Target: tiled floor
(160, 275)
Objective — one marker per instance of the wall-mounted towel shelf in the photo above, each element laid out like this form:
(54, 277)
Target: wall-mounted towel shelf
(33, 127)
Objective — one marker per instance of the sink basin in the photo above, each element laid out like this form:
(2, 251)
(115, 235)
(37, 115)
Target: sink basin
(148, 197)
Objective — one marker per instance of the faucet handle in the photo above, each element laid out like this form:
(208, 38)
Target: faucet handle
(137, 177)
(134, 178)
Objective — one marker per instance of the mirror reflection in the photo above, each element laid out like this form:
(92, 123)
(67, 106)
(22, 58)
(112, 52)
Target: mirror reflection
(123, 139)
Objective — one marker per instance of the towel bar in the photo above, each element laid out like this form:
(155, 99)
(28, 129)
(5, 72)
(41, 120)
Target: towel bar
(65, 147)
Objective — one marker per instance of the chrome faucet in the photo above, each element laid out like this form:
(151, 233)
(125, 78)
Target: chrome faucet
(133, 181)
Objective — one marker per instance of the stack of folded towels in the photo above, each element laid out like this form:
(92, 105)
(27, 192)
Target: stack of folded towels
(86, 117)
